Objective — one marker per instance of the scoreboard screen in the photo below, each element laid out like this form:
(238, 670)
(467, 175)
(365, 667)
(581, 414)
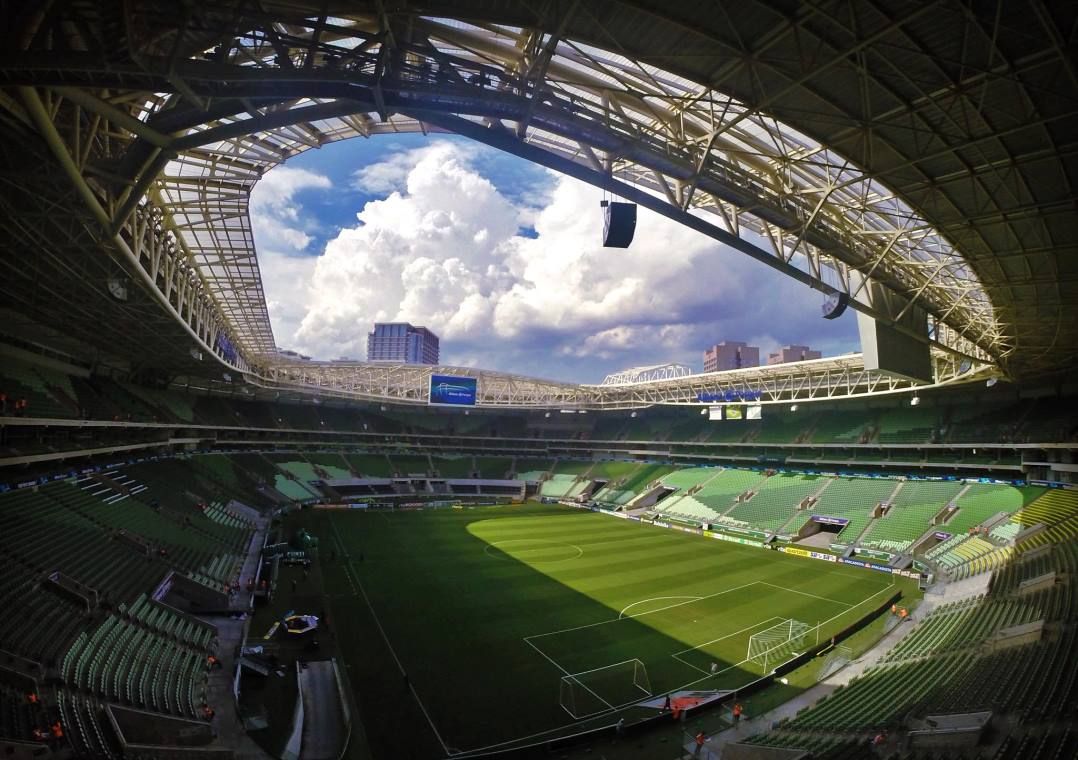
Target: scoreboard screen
(450, 390)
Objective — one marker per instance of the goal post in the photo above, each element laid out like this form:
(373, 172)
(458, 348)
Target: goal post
(777, 643)
(607, 688)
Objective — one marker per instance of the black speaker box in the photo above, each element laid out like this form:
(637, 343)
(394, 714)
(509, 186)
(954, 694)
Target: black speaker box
(835, 305)
(619, 224)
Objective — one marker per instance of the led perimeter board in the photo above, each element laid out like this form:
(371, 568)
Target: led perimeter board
(449, 390)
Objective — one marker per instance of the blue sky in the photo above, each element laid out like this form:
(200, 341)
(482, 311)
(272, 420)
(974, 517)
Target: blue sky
(503, 259)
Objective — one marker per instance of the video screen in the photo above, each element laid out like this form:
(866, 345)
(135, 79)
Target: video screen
(448, 390)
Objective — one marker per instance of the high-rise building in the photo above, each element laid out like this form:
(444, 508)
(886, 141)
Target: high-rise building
(402, 342)
(792, 354)
(731, 354)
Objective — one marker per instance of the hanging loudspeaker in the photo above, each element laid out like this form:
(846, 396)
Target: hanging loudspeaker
(619, 223)
(835, 304)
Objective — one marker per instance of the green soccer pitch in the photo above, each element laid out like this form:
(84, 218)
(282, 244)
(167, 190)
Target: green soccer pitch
(491, 610)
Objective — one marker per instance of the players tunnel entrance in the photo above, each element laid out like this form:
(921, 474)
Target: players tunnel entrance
(824, 527)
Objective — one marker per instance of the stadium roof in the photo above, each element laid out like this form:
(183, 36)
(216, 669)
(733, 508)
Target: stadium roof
(929, 146)
(646, 373)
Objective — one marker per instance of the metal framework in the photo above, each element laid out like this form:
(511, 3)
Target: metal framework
(815, 380)
(937, 169)
(645, 374)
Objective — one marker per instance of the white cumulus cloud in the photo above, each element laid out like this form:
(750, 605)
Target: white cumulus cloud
(443, 248)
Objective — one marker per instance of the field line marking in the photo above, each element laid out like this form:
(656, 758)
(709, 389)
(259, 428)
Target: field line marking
(569, 675)
(614, 620)
(847, 577)
(735, 633)
(805, 593)
(707, 673)
(689, 664)
(496, 544)
(482, 751)
(348, 571)
(656, 599)
(738, 664)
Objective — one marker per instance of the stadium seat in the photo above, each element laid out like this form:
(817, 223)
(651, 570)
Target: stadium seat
(910, 515)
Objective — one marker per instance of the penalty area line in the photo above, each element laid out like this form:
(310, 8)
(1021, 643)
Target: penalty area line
(615, 620)
(677, 655)
(491, 749)
(805, 593)
(727, 636)
(569, 675)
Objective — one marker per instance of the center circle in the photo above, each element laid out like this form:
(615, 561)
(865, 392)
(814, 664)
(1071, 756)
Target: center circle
(533, 550)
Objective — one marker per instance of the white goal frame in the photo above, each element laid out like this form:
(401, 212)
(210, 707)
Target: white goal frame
(573, 684)
(776, 643)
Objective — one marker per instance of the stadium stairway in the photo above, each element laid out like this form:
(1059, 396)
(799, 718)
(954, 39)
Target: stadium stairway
(231, 630)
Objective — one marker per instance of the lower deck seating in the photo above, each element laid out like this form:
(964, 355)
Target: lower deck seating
(18, 717)
(1053, 507)
(42, 532)
(776, 501)
(983, 563)
(128, 662)
(557, 486)
(943, 665)
(882, 695)
(39, 623)
(914, 506)
(851, 499)
(170, 623)
(688, 508)
(964, 552)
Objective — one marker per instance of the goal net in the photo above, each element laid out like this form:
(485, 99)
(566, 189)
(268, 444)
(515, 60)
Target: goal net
(607, 688)
(777, 643)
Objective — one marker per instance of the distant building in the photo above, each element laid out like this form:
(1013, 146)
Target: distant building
(731, 354)
(402, 342)
(792, 354)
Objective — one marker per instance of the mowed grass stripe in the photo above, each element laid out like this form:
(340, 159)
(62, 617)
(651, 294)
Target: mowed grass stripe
(596, 570)
(458, 616)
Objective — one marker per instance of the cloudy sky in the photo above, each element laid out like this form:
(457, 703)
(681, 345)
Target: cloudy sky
(503, 260)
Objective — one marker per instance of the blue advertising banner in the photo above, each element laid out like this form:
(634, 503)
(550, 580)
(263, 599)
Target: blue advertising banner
(448, 390)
